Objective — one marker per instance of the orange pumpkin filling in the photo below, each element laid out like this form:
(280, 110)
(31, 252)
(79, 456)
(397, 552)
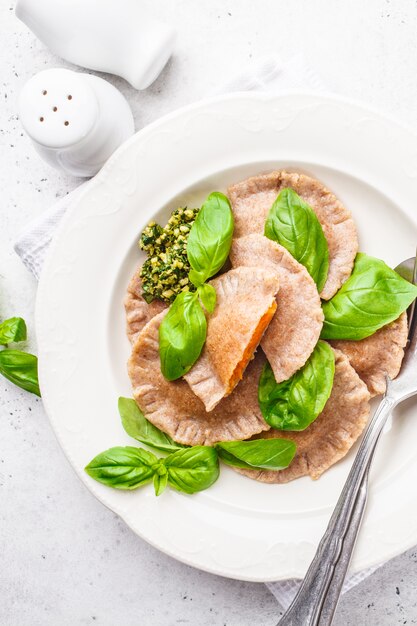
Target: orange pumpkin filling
(251, 347)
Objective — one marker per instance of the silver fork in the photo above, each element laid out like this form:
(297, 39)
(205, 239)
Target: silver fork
(316, 601)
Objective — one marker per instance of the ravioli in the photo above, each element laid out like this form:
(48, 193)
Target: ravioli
(330, 437)
(379, 355)
(295, 328)
(245, 306)
(252, 198)
(175, 409)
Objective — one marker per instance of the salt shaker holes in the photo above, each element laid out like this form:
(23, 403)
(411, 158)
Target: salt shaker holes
(75, 120)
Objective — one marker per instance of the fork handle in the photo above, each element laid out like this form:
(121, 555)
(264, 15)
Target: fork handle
(307, 606)
(340, 569)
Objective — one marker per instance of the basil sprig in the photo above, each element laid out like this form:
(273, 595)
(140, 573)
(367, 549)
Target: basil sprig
(373, 296)
(12, 330)
(138, 427)
(295, 403)
(183, 330)
(294, 225)
(188, 470)
(21, 369)
(272, 454)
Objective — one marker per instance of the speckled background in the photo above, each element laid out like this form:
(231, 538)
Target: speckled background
(65, 559)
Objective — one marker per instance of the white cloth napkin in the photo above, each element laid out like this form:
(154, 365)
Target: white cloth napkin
(268, 74)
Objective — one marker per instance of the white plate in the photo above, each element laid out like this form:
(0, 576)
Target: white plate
(237, 528)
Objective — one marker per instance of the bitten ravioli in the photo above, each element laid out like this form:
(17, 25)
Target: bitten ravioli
(245, 306)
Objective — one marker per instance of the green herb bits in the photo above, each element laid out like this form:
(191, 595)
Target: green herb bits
(165, 272)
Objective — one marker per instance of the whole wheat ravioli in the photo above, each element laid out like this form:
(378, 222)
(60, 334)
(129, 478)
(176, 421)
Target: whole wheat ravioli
(295, 328)
(331, 435)
(245, 305)
(379, 355)
(175, 409)
(252, 199)
(138, 311)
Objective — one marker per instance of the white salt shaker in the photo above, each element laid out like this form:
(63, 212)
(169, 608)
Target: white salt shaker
(107, 35)
(76, 121)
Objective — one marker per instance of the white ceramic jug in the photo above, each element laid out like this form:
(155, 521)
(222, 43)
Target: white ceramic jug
(76, 121)
(107, 35)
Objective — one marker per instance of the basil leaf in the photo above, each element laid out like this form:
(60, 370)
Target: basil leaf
(293, 224)
(373, 296)
(21, 368)
(295, 403)
(182, 334)
(197, 278)
(123, 468)
(192, 469)
(273, 454)
(137, 426)
(12, 330)
(160, 480)
(210, 238)
(229, 459)
(207, 294)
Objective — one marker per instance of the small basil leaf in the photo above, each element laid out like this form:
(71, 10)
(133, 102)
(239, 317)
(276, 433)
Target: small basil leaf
(12, 330)
(210, 238)
(197, 278)
(21, 368)
(373, 296)
(123, 467)
(182, 334)
(273, 454)
(207, 295)
(293, 224)
(160, 479)
(137, 426)
(295, 403)
(192, 469)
